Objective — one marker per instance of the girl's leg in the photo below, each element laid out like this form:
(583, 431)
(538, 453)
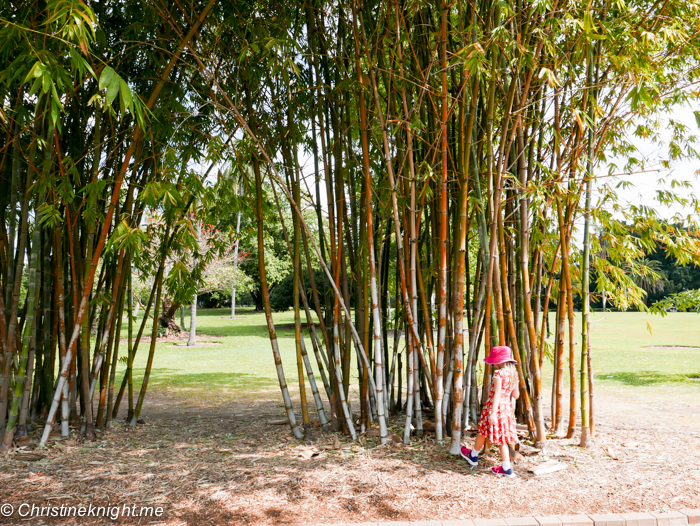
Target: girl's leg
(505, 456)
(480, 439)
(505, 470)
(471, 455)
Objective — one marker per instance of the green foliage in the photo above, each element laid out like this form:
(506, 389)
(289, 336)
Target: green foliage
(642, 255)
(127, 238)
(688, 300)
(282, 297)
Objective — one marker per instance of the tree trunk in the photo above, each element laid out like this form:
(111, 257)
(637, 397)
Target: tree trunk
(192, 340)
(167, 318)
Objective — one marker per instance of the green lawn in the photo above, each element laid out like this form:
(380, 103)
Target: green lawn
(651, 372)
(240, 361)
(630, 353)
(626, 364)
(644, 366)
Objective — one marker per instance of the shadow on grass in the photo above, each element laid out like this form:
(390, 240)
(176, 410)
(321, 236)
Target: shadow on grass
(642, 378)
(248, 323)
(226, 313)
(244, 331)
(223, 380)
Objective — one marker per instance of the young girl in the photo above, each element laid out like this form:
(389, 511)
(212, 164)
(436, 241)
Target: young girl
(497, 417)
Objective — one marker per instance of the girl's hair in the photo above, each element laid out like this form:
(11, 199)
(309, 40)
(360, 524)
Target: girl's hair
(512, 370)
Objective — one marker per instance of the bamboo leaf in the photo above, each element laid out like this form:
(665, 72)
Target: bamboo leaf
(56, 98)
(113, 88)
(125, 95)
(54, 114)
(106, 77)
(577, 115)
(35, 72)
(35, 86)
(49, 215)
(45, 83)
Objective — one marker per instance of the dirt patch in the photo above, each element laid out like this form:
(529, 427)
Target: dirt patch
(182, 336)
(290, 326)
(675, 347)
(230, 466)
(198, 344)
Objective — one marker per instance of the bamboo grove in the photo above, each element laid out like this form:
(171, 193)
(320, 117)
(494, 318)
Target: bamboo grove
(438, 160)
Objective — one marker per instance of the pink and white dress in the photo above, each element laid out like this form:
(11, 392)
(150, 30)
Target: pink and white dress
(503, 432)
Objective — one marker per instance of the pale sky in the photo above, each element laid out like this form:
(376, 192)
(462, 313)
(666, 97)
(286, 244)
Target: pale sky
(646, 184)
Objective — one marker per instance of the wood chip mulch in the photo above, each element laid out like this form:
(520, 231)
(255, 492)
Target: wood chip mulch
(232, 465)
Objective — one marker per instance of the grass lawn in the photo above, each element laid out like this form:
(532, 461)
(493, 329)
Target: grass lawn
(629, 352)
(237, 360)
(639, 367)
(631, 362)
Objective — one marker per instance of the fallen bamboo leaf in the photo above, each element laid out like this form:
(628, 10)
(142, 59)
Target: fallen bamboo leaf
(610, 452)
(27, 456)
(528, 451)
(396, 439)
(550, 466)
(308, 452)
(372, 432)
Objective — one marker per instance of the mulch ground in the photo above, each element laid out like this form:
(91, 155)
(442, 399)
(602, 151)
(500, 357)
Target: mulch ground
(231, 465)
(175, 338)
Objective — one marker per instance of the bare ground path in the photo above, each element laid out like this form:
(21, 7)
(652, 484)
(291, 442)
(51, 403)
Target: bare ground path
(229, 465)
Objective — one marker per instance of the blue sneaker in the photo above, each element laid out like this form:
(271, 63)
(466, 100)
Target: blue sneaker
(500, 472)
(466, 454)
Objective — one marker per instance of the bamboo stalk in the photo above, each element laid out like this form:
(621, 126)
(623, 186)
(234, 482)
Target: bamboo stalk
(108, 219)
(369, 228)
(29, 328)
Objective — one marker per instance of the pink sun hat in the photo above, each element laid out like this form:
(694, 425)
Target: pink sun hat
(500, 354)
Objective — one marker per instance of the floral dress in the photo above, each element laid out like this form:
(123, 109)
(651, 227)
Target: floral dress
(503, 432)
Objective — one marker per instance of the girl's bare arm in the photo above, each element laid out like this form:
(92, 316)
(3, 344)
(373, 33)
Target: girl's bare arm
(496, 399)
